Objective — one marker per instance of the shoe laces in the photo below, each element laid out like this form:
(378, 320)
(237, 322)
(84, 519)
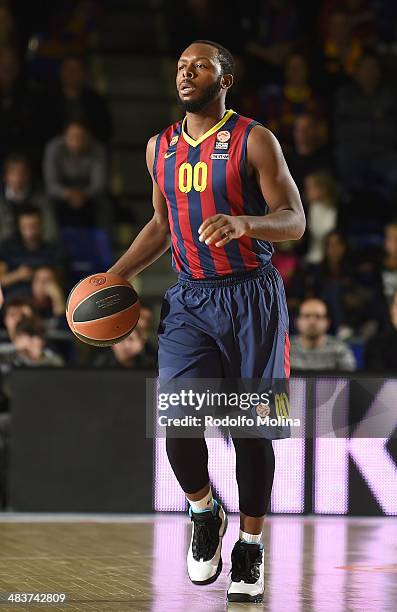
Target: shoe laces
(246, 562)
(205, 536)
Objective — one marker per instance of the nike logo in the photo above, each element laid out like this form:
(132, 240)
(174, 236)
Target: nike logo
(169, 154)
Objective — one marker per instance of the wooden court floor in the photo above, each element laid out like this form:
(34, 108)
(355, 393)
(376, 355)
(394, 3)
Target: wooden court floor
(108, 563)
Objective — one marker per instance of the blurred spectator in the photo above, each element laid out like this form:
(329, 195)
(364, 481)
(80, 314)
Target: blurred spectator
(144, 326)
(68, 27)
(30, 347)
(18, 191)
(273, 31)
(388, 265)
(366, 131)
(322, 216)
(203, 19)
(48, 297)
(342, 50)
(1, 297)
(75, 173)
(73, 100)
(129, 353)
(14, 311)
(18, 108)
(381, 351)
(27, 250)
(309, 153)
(286, 261)
(353, 304)
(312, 348)
(361, 14)
(8, 35)
(280, 105)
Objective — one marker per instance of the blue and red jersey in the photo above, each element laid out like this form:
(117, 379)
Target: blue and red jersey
(204, 177)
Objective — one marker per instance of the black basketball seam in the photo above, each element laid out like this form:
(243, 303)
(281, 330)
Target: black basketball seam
(114, 314)
(99, 290)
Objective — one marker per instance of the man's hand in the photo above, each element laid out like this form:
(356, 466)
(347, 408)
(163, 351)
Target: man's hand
(222, 229)
(75, 197)
(23, 273)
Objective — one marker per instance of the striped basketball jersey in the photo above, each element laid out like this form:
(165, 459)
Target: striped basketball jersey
(204, 177)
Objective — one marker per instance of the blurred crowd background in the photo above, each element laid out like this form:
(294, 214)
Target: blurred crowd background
(85, 83)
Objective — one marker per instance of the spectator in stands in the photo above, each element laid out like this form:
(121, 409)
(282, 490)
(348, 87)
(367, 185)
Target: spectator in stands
(8, 35)
(362, 19)
(365, 131)
(73, 100)
(388, 265)
(48, 297)
(30, 347)
(17, 192)
(75, 173)
(129, 353)
(14, 311)
(273, 31)
(309, 153)
(281, 105)
(352, 302)
(313, 348)
(381, 351)
(18, 108)
(144, 326)
(322, 215)
(27, 250)
(342, 50)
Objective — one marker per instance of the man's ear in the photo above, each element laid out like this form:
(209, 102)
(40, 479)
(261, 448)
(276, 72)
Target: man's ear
(227, 81)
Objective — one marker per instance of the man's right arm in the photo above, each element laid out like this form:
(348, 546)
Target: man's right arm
(154, 239)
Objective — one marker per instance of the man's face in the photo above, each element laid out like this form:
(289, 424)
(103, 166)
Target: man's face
(41, 279)
(76, 138)
(199, 78)
(30, 229)
(8, 68)
(312, 321)
(305, 132)
(129, 347)
(391, 241)
(145, 321)
(393, 311)
(17, 175)
(368, 73)
(72, 73)
(29, 346)
(15, 314)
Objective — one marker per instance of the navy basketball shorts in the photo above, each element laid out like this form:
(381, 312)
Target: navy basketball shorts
(233, 327)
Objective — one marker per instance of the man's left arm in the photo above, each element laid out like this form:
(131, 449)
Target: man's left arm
(285, 219)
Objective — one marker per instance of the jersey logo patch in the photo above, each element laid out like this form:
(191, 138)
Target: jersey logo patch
(223, 136)
(173, 141)
(169, 153)
(220, 156)
(222, 145)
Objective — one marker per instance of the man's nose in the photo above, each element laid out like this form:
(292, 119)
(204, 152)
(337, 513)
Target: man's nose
(188, 72)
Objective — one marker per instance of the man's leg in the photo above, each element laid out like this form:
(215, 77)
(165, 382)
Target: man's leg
(186, 351)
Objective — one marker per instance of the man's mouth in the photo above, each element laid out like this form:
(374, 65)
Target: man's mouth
(186, 88)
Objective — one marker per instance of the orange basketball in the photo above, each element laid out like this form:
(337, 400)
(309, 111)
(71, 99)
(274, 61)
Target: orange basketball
(102, 309)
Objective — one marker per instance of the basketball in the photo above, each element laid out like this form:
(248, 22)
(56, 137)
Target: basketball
(102, 309)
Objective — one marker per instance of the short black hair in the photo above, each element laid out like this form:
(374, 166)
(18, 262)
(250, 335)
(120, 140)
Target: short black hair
(225, 58)
(28, 209)
(30, 326)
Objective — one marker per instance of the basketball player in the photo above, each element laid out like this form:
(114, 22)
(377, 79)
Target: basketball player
(222, 193)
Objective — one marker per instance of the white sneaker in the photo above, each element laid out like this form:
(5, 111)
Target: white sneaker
(204, 561)
(247, 573)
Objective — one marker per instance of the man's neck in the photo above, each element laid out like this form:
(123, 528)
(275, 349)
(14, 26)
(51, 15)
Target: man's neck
(312, 343)
(198, 124)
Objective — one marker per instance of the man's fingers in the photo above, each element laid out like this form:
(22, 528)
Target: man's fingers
(205, 224)
(220, 232)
